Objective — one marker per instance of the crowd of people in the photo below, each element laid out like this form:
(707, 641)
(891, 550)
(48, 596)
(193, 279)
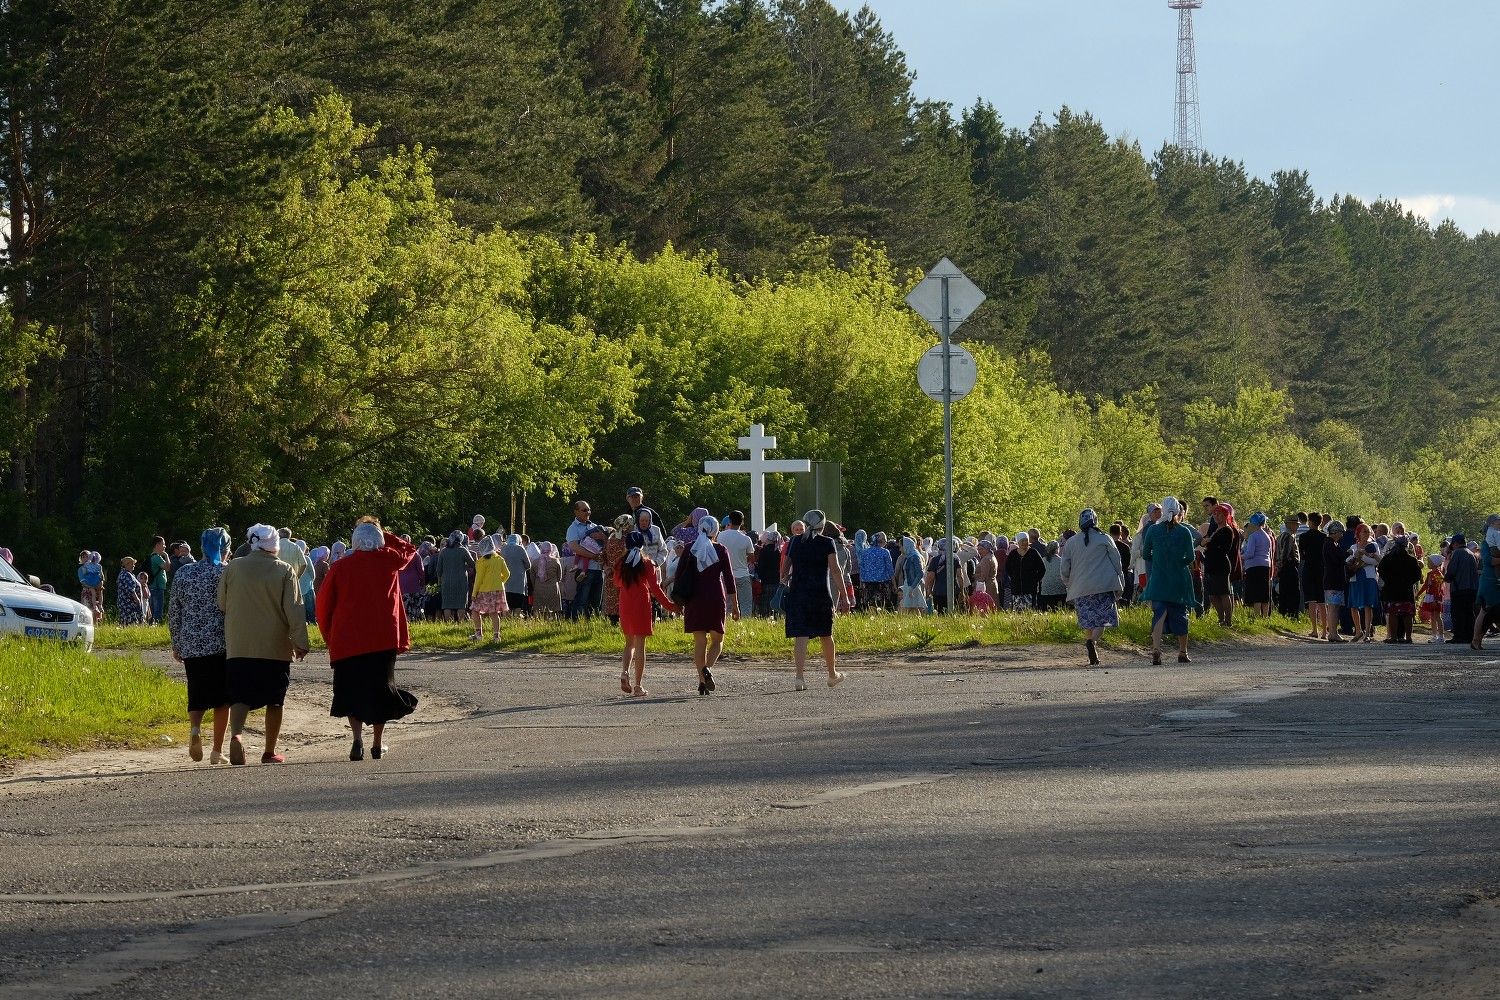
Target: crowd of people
(239, 619)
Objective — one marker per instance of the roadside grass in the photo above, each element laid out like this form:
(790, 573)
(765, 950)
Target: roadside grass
(857, 633)
(54, 697)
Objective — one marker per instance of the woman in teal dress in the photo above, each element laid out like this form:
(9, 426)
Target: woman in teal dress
(1169, 549)
(1489, 581)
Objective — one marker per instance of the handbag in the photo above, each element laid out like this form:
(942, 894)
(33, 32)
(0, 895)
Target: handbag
(684, 583)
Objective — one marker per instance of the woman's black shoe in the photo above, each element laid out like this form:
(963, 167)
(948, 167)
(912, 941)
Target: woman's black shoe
(702, 688)
(1093, 653)
(708, 679)
(357, 751)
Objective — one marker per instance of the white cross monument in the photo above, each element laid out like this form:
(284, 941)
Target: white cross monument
(757, 444)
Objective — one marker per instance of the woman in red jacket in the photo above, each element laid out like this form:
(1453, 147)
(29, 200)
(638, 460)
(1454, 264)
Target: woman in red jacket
(635, 577)
(363, 621)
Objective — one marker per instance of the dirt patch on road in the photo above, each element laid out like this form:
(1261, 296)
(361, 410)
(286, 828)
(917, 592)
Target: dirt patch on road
(1460, 961)
(308, 733)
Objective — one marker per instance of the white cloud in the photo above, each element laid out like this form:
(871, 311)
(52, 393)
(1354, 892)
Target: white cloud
(1471, 213)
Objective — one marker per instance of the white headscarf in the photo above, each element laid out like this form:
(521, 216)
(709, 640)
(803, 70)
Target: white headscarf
(1171, 508)
(263, 537)
(366, 537)
(703, 547)
(487, 545)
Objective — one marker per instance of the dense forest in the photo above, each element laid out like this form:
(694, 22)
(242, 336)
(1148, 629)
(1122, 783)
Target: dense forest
(293, 261)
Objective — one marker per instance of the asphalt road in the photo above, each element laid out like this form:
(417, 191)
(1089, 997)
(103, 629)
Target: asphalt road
(1277, 820)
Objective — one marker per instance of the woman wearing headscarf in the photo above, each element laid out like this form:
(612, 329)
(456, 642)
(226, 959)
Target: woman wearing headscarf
(1024, 568)
(1489, 581)
(306, 584)
(337, 552)
(130, 597)
(1091, 572)
(1053, 589)
(812, 576)
(1002, 577)
(1400, 573)
(455, 569)
(1220, 556)
(364, 625)
(911, 577)
(318, 558)
(687, 531)
(265, 630)
(936, 580)
(546, 581)
(196, 625)
(517, 587)
(614, 551)
(1171, 549)
(1138, 565)
(707, 562)
(635, 581)
(1257, 553)
(413, 580)
(987, 568)
(855, 575)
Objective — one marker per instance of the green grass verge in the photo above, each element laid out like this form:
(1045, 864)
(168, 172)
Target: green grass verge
(55, 697)
(861, 633)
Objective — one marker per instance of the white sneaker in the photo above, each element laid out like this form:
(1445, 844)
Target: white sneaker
(836, 680)
(801, 683)
(476, 637)
(217, 758)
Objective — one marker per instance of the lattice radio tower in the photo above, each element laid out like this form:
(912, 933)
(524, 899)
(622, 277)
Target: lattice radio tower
(1189, 132)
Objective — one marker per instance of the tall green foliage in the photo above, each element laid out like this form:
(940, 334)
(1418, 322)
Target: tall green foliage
(278, 260)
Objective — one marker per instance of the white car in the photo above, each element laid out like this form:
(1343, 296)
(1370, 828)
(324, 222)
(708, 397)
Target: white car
(31, 612)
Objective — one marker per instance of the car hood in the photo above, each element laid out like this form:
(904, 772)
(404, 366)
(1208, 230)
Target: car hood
(18, 595)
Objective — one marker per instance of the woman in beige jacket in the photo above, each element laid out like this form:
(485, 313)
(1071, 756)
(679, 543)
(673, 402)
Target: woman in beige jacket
(265, 629)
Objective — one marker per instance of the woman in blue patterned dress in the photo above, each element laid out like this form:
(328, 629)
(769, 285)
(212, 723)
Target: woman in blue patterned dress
(1091, 572)
(130, 597)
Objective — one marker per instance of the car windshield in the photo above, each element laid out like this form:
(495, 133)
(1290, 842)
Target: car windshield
(8, 574)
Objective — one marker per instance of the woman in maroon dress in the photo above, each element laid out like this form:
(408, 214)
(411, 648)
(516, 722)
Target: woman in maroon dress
(703, 615)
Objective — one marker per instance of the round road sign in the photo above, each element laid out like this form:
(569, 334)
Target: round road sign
(964, 373)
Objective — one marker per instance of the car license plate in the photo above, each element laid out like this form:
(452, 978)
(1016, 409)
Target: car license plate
(33, 632)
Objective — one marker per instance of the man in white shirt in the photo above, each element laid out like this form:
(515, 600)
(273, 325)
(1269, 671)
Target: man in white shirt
(741, 551)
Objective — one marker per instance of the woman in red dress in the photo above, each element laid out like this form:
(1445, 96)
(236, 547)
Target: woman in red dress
(635, 578)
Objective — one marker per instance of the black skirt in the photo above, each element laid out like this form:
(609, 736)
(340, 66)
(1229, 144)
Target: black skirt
(364, 688)
(257, 683)
(208, 682)
(1216, 584)
(1258, 585)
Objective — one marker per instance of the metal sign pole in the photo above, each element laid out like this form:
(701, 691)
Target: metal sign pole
(948, 442)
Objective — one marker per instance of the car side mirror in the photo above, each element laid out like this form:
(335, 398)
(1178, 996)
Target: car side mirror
(35, 581)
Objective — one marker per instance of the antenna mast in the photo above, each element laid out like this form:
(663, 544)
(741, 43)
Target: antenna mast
(1189, 136)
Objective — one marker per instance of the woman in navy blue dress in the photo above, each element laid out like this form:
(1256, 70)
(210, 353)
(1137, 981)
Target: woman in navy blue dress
(812, 564)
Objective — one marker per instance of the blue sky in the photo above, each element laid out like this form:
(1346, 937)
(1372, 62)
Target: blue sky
(1371, 97)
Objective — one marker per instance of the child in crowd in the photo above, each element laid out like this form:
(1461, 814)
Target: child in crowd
(1431, 597)
(144, 579)
(980, 602)
(635, 576)
(91, 581)
(491, 573)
